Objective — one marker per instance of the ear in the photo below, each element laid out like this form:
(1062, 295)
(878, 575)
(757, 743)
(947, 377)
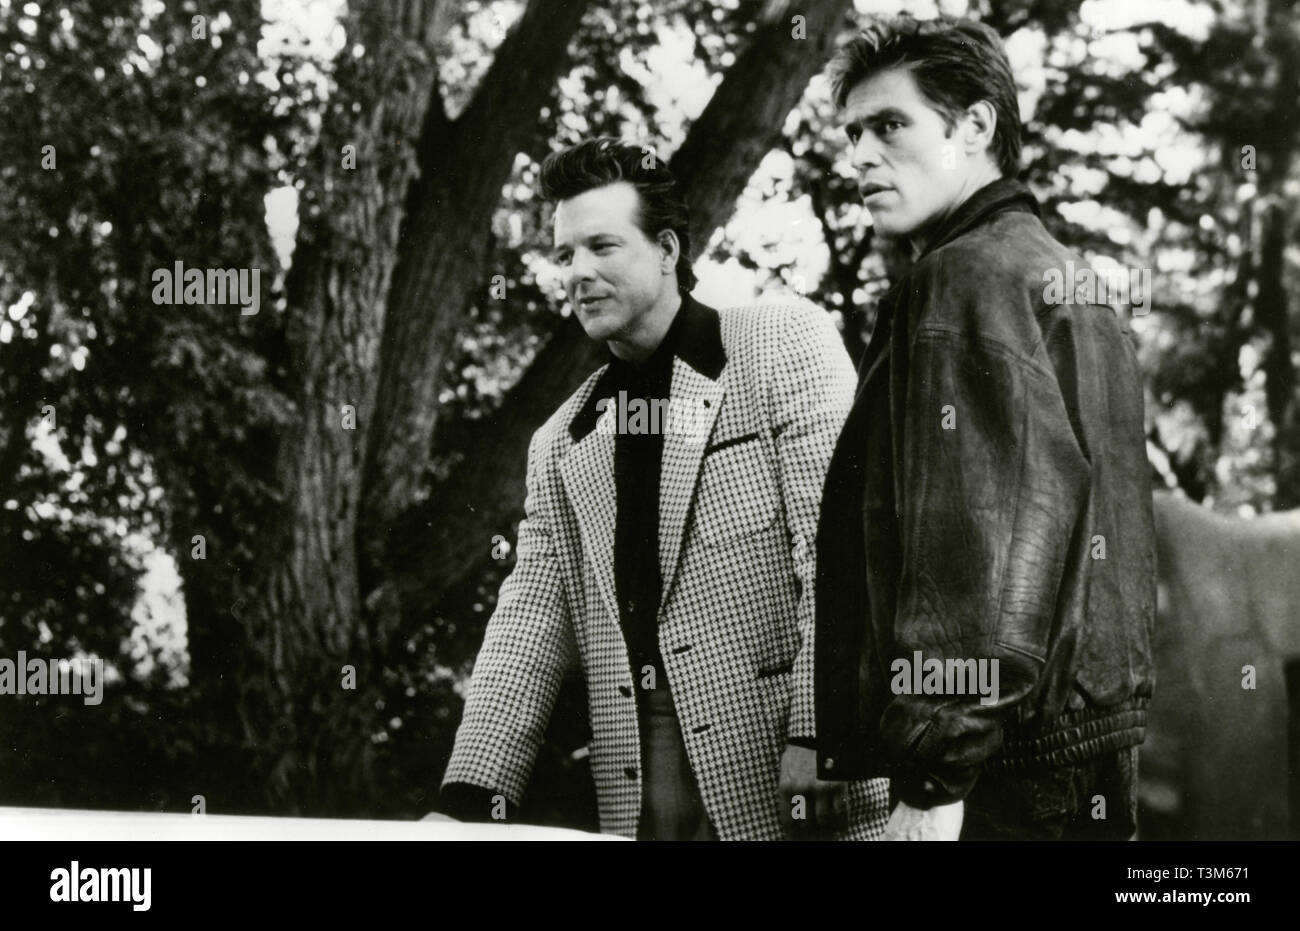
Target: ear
(978, 127)
(670, 248)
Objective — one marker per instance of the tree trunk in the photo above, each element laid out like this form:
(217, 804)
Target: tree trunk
(305, 731)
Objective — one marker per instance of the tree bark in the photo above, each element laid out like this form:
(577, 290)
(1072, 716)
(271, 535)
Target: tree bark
(305, 732)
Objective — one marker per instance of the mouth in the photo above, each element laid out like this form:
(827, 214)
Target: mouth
(871, 189)
(586, 302)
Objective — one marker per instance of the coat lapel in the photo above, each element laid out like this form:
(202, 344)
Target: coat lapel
(587, 471)
(878, 348)
(682, 457)
(587, 468)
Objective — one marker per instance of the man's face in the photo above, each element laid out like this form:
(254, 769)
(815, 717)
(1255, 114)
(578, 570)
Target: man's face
(614, 273)
(911, 172)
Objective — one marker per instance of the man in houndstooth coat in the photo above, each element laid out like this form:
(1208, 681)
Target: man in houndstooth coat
(667, 546)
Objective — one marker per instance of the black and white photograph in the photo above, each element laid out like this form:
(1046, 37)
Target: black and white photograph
(688, 420)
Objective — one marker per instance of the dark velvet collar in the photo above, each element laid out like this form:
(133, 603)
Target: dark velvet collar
(696, 339)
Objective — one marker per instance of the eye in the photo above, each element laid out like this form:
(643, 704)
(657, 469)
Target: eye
(563, 258)
(889, 126)
(602, 247)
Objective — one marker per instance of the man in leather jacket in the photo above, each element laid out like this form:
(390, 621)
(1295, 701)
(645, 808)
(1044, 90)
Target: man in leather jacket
(988, 503)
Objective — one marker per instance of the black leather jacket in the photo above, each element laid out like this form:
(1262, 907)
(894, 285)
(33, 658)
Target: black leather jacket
(989, 498)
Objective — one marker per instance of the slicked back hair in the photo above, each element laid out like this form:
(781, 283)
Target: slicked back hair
(955, 62)
(604, 160)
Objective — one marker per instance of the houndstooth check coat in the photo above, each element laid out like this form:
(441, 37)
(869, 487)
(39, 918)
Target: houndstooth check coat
(740, 488)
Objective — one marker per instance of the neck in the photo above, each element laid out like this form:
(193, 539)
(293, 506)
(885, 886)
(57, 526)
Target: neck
(644, 337)
(920, 240)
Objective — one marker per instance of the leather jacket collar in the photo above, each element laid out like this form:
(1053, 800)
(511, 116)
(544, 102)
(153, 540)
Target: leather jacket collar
(994, 197)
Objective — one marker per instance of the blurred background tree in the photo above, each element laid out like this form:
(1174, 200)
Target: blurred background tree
(350, 460)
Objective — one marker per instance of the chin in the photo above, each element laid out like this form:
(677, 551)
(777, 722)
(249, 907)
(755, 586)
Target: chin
(596, 328)
(595, 331)
(893, 226)
(890, 230)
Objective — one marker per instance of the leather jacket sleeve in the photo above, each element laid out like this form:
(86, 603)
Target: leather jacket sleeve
(992, 488)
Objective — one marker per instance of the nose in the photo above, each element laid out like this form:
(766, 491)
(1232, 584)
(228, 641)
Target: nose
(866, 154)
(581, 269)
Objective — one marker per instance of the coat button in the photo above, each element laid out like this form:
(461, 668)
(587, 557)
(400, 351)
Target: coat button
(630, 772)
(929, 785)
(830, 762)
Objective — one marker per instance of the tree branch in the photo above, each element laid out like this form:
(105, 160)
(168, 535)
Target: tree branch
(443, 251)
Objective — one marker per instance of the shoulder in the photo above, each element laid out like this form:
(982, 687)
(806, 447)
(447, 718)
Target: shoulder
(552, 435)
(988, 284)
(1012, 252)
(787, 348)
(775, 326)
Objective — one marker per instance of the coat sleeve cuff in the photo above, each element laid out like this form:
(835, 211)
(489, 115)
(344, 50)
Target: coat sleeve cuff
(803, 719)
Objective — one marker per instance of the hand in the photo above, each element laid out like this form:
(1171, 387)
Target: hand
(943, 822)
(823, 807)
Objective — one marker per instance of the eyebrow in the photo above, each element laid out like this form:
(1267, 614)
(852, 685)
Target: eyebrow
(876, 117)
(556, 250)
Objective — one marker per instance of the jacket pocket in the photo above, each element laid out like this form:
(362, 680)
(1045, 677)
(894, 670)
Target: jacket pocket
(777, 670)
(737, 494)
(727, 444)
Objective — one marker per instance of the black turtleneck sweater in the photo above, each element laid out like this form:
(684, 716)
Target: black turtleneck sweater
(638, 455)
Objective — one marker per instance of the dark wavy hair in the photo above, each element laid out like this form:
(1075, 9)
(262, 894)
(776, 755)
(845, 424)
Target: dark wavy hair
(955, 62)
(604, 160)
